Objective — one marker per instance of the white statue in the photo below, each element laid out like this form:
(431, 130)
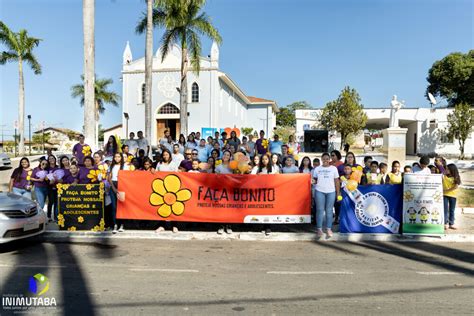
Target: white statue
(395, 105)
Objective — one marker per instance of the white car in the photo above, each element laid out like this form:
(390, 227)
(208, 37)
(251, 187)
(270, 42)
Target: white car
(5, 161)
(19, 218)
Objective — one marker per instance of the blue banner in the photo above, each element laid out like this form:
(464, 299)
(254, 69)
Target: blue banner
(372, 209)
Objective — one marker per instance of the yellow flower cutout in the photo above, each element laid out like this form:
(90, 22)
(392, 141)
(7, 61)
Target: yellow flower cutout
(129, 158)
(131, 168)
(61, 220)
(218, 162)
(28, 176)
(408, 196)
(80, 219)
(93, 175)
(265, 143)
(103, 170)
(168, 196)
(86, 150)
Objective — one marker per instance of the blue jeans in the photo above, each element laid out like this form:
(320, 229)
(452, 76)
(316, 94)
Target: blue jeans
(22, 192)
(324, 203)
(41, 195)
(449, 209)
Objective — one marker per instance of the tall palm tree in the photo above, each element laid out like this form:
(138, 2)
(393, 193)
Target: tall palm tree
(183, 23)
(102, 95)
(19, 48)
(88, 11)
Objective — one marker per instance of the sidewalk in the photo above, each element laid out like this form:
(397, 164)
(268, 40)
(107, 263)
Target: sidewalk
(464, 233)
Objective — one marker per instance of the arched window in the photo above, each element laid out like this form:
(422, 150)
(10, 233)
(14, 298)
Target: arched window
(168, 109)
(195, 93)
(143, 92)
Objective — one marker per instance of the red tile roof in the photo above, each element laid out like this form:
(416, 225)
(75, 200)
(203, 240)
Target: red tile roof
(258, 100)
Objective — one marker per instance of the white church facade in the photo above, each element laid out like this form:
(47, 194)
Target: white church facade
(214, 100)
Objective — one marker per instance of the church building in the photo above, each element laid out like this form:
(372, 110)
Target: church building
(215, 101)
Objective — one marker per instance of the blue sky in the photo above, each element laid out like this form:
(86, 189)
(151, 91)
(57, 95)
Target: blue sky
(284, 50)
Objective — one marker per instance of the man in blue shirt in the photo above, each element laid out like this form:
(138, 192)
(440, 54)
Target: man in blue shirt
(202, 151)
(275, 145)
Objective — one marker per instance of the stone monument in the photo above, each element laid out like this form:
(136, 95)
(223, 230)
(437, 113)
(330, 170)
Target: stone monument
(394, 137)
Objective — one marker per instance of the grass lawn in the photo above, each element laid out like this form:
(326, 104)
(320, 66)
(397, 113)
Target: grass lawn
(465, 198)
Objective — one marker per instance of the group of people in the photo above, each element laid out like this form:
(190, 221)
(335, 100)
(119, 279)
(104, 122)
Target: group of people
(221, 154)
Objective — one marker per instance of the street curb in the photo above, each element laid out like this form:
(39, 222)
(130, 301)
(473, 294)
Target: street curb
(250, 236)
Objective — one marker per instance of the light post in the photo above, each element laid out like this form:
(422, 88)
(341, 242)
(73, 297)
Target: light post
(29, 132)
(125, 114)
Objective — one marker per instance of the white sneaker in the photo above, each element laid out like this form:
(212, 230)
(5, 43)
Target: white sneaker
(121, 230)
(228, 230)
(160, 229)
(220, 231)
(115, 230)
(175, 229)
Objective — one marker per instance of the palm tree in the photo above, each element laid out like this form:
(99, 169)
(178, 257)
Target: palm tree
(20, 47)
(102, 96)
(88, 11)
(183, 24)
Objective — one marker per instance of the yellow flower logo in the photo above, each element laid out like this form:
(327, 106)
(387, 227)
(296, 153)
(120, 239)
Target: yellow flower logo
(103, 170)
(61, 220)
(168, 195)
(72, 228)
(86, 150)
(408, 196)
(80, 219)
(93, 175)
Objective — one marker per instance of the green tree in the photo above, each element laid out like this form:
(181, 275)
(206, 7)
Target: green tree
(38, 138)
(183, 23)
(461, 122)
(102, 95)
(453, 78)
(344, 115)
(284, 133)
(246, 130)
(19, 49)
(286, 115)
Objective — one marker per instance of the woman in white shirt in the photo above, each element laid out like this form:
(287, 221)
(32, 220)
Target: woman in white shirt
(327, 188)
(224, 168)
(167, 164)
(256, 164)
(112, 177)
(276, 164)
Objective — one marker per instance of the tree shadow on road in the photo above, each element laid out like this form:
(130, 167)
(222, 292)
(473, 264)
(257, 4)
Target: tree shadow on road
(399, 250)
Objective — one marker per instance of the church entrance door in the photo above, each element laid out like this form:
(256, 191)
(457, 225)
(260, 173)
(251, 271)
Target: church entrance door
(172, 124)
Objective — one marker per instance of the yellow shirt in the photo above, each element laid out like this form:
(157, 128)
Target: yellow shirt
(448, 183)
(394, 178)
(373, 178)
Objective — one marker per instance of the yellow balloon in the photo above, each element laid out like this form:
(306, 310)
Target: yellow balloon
(351, 185)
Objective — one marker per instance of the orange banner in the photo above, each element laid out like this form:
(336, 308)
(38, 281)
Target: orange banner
(201, 197)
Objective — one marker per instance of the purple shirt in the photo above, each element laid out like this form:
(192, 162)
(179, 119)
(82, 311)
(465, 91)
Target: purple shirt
(43, 183)
(77, 152)
(69, 178)
(186, 164)
(22, 182)
(83, 178)
(260, 149)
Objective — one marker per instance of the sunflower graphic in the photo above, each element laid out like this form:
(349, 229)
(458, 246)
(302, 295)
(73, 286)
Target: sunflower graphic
(102, 168)
(61, 220)
(168, 195)
(86, 150)
(93, 175)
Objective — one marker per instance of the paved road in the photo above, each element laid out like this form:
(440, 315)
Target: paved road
(150, 277)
